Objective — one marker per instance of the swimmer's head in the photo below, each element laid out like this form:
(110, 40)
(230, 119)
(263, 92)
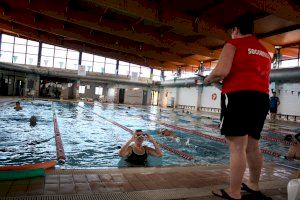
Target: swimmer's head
(140, 136)
(32, 121)
(17, 103)
(288, 138)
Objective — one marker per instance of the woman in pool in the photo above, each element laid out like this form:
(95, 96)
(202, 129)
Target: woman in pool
(136, 154)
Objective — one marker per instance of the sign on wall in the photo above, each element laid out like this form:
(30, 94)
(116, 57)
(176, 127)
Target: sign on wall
(81, 70)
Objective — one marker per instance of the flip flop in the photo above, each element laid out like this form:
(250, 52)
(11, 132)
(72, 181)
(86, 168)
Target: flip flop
(224, 195)
(258, 194)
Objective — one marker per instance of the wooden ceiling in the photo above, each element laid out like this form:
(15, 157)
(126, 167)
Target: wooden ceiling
(164, 34)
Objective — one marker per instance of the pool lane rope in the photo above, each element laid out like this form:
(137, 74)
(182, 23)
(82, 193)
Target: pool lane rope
(172, 150)
(60, 153)
(217, 139)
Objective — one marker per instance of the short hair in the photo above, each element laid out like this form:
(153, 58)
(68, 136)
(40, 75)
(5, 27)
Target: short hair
(288, 138)
(17, 102)
(138, 130)
(244, 23)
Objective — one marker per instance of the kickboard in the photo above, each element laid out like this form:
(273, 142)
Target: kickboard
(43, 165)
(21, 174)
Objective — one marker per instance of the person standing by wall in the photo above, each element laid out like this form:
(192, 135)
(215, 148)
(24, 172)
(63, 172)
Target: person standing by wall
(274, 103)
(244, 66)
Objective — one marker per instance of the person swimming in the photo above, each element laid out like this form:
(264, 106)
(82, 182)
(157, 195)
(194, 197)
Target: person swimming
(18, 106)
(137, 154)
(32, 121)
(167, 133)
(294, 150)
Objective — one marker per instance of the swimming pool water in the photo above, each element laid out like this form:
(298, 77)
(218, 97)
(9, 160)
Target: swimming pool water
(92, 142)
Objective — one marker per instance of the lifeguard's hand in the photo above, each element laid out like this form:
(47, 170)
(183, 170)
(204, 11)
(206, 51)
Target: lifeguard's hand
(207, 81)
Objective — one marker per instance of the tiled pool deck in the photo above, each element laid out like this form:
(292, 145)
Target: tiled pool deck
(193, 182)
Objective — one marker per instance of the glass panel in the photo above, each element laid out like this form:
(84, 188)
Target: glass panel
(7, 38)
(72, 64)
(169, 75)
(145, 72)
(47, 52)
(123, 69)
(7, 47)
(81, 89)
(6, 57)
(98, 90)
(99, 59)
(289, 63)
(32, 50)
(32, 43)
(110, 61)
(87, 57)
(98, 67)
(47, 46)
(19, 58)
(60, 63)
(60, 53)
(31, 59)
(110, 68)
(73, 54)
(156, 72)
(20, 48)
(88, 65)
(20, 41)
(47, 61)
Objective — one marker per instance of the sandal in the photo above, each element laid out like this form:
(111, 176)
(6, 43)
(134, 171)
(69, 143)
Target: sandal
(224, 195)
(258, 194)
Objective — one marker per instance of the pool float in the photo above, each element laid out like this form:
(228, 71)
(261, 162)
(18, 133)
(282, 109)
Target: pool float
(21, 174)
(41, 165)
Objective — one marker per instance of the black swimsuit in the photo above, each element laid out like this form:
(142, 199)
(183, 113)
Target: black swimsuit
(137, 159)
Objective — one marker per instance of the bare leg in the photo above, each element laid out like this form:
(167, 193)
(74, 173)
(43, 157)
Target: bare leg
(237, 147)
(255, 162)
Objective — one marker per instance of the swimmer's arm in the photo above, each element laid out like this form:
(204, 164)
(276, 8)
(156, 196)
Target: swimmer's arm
(155, 152)
(125, 150)
(224, 65)
(291, 153)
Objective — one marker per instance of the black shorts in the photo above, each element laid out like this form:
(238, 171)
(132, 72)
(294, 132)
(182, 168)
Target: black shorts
(273, 110)
(244, 113)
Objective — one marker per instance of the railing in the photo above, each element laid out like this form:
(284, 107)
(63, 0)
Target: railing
(186, 107)
(207, 109)
(285, 117)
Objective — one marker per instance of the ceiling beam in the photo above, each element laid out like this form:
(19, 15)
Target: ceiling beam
(166, 15)
(23, 31)
(279, 31)
(84, 35)
(283, 8)
(146, 34)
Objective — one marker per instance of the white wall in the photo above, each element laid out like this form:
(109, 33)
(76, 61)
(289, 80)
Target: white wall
(289, 102)
(206, 97)
(133, 96)
(188, 96)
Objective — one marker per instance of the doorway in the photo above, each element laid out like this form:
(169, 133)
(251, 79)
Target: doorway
(145, 97)
(154, 97)
(121, 95)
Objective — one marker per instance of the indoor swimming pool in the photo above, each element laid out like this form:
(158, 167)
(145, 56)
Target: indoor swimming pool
(92, 135)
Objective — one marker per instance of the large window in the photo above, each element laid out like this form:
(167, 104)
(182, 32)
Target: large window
(81, 89)
(58, 57)
(135, 70)
(123, 68)
(169, 75)
(99, 91)
(110, 66)
(18, 50)
(156, 75)
(187, 74)
(145, 72)
(93, 63)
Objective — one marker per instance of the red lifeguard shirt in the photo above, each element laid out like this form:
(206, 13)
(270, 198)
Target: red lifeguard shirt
(250, 68)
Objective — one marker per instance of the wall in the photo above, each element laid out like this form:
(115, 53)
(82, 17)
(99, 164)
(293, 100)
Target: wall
(133, 96)
(289, 102)
(188, 96)
(90, 91)
(206, 97)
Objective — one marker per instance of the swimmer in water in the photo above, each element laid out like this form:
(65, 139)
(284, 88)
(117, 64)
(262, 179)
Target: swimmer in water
(32, 121)
(18, 106)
